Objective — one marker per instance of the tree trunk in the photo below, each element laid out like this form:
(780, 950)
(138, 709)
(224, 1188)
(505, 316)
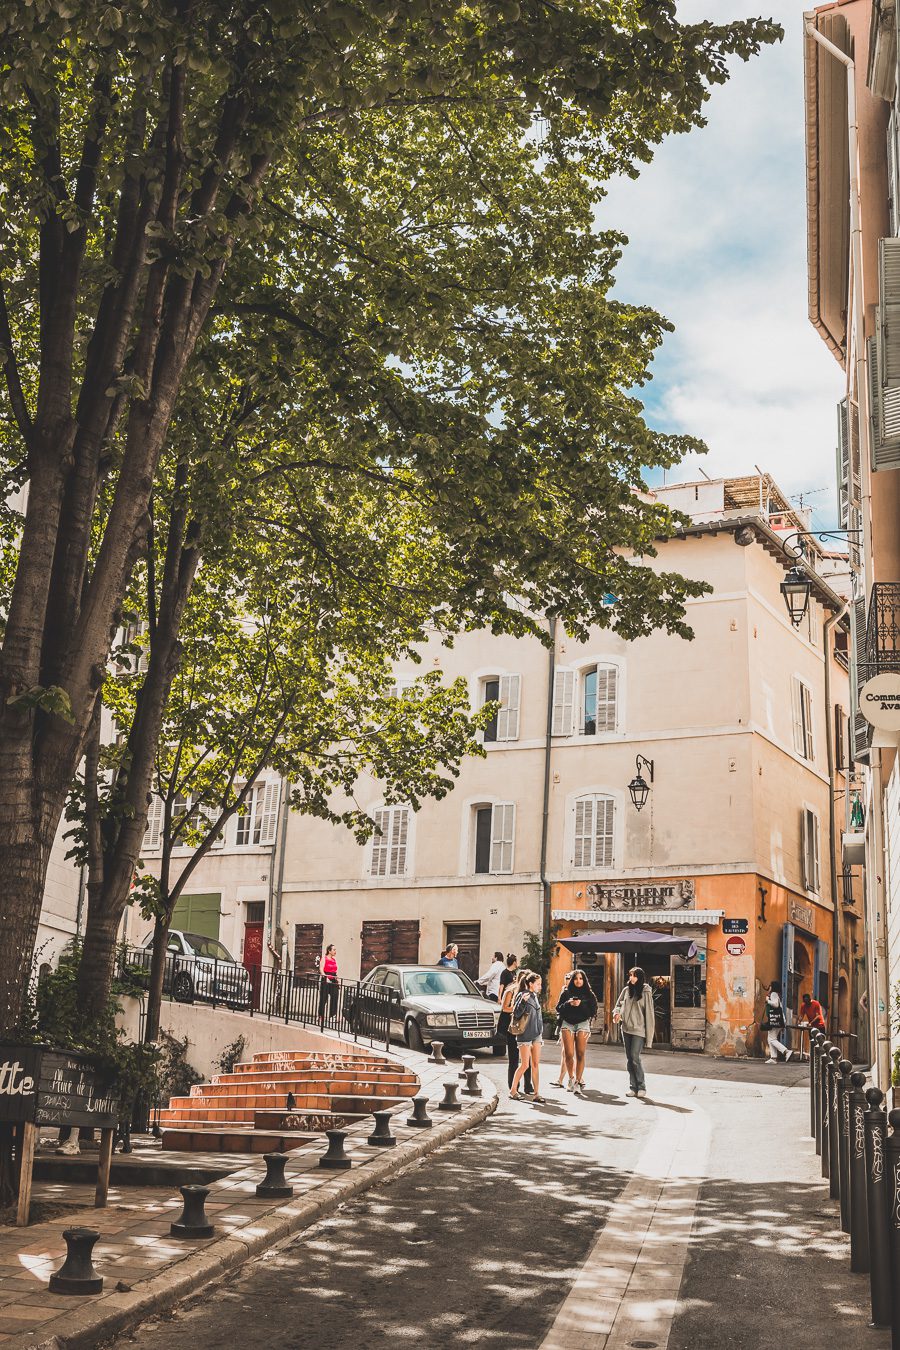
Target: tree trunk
(22, 876)
(157, 971)
(98, 956)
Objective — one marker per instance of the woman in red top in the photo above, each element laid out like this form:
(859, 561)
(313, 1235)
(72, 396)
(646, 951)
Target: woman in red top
(328, 985)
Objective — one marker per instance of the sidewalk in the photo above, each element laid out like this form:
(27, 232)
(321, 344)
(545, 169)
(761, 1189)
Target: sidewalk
(146, 1271)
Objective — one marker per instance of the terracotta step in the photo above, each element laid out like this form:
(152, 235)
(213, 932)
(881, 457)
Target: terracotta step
(316, 1122)
(259, 1093)
(234, 1141)
(286, 1078)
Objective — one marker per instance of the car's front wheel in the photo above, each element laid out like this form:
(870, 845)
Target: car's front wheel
(414, 1038)
(183, 988)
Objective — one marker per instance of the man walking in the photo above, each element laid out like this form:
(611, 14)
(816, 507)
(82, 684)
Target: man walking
(490, 980)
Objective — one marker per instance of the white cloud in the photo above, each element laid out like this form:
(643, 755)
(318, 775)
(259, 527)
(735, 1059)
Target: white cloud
(718, 243)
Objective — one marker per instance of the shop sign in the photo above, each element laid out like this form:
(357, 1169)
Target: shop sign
(668, 895)
(802, 915)
(879, 701)
(50, 1087)
(735, 925)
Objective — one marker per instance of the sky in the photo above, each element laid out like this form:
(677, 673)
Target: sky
(717, 234)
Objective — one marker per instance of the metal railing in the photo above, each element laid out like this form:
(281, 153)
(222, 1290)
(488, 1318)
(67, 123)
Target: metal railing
(882, 642)
(360, 1010)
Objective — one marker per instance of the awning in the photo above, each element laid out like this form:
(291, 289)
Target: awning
(630, 916)
(628, 940)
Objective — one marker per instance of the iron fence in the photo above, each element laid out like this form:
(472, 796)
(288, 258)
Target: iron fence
(358, 1009)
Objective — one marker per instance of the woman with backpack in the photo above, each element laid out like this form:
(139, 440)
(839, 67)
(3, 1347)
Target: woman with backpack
(635, 1014)
(509, 988)
(577, 1008)
(773, 1024)
(527, 1026)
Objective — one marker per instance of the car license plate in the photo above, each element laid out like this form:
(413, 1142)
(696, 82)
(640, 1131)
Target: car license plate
(471, 1035)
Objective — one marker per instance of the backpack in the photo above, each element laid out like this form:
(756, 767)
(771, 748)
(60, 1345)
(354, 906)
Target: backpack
(518, 1024)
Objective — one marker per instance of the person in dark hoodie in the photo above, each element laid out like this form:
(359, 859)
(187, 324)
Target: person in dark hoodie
(576, 1009)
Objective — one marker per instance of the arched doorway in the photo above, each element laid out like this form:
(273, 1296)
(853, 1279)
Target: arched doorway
(800, 980)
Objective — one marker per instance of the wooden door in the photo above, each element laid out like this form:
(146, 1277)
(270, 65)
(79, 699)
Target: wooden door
(252, 957)
(388, 942)
(688, 1004)
(308, 939)
(467, 937)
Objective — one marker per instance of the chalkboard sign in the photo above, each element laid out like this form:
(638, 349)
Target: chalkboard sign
(688, 986)
(52, 1087)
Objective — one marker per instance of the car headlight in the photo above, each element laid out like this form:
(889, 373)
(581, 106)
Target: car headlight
(441, 1019)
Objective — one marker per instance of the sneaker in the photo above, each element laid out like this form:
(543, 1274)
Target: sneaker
(771, 1061)
(640, 1093)
(557, 1083)
(788, 1056)
(581, 1084)
(579, 1091)
(571, 1085)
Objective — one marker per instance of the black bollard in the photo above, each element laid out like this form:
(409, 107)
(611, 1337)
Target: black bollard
(77, 1275)
(844, 1071)
(335, 1157)
(834, 1134)
(193, 1222)
(275, 1185)
(437, 1053)
(420, 1119)
(825, 1090)
(813, 1037)
(859, 1209)
(451, 1102)
(381, 1137)
(472, 1089)
(877, 1209)
(893, 1154)
(468, 1062)
(816, 1057)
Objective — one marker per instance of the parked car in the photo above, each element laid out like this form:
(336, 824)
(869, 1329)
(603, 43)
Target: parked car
(431, 1003)
(201, 968)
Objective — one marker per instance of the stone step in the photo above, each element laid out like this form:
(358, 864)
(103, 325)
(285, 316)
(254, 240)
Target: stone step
(189, 1109)
(258, 1094)
(217, 1140)
(315, 1121)
(284, 1081)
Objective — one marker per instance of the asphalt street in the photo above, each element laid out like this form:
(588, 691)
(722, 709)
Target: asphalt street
(484, 1242)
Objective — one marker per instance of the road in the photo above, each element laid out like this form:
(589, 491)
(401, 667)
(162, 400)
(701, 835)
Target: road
(693, 1220)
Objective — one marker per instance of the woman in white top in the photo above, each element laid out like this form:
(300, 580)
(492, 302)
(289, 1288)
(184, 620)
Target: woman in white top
(774, 1024)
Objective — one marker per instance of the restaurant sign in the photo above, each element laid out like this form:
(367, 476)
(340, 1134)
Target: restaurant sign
(650, 895)
(51, 1087)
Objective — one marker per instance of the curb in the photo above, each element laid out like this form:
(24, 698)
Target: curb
(120, 1312)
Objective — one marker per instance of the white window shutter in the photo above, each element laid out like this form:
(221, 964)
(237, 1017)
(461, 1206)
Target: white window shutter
(804, 847)
(399, 838)
(607, 698)
(563, 702)
(153, 833)
(797, 714)
(508, 716)
(502, 824)
(808, 723)
(268, 819)
(584, 832)
(814, 852)
(603, 848)
(380, 843)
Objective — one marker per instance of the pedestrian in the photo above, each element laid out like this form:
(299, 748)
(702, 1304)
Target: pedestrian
(774, 1023)
(812, 1013)
(577, 1008)
(449, 955)
(560, 1079)
(328, 985)
(490, 980)
(507, 999)
(634, 1012)
(528, 1028)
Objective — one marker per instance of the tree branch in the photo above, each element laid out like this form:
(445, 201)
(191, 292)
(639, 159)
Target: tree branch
(11, 372)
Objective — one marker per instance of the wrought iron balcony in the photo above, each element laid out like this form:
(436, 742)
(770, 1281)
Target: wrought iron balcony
(881, 651)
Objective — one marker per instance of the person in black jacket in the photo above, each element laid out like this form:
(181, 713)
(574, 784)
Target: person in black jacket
(576, 1009)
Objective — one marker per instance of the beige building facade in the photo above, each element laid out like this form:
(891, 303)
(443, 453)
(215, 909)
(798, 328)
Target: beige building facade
(542, 834)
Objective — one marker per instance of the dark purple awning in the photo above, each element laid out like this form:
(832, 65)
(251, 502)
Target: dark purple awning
(628, 940)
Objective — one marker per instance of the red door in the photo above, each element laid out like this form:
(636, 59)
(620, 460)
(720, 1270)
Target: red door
(252, 957)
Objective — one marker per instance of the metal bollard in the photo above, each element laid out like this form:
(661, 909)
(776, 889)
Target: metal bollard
(335, 1157)
(834, 1140)
(468, 1062)
(77, 1275)
(437, 1053)
(877, 1209)
(844, 1070)
(420, 1119)
(472, 1089)
(825, 1092)
(817, 1104)
(275, 1185)
(451, 1102)
(381, 1136)
(193, 1222)
(813, 1039)
(859, 1209)
(893, 1199)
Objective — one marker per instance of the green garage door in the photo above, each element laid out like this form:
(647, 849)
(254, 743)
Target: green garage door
(198, 914)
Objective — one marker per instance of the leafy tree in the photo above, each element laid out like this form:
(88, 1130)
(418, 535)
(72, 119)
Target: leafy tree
(383, 208)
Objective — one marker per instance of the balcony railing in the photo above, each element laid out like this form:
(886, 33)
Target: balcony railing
(882, 643)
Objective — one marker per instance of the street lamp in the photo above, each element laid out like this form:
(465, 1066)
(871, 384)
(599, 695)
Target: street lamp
(796, 589)
(639, 787)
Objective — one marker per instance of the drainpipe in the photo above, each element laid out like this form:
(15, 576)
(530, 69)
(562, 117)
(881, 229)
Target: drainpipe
(876, 917)
(281, 845)
(827, 629)
(545, 819)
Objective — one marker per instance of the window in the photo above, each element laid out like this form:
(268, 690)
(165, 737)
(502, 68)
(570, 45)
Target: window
(594, 822)
(389, 843)
(801, 704)
(840, 737)
(504, 725)
(153, 833)
(809, 843)
(494, 830)
(563, 702)
(599, 694)
(257, 824)
(399, 686)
